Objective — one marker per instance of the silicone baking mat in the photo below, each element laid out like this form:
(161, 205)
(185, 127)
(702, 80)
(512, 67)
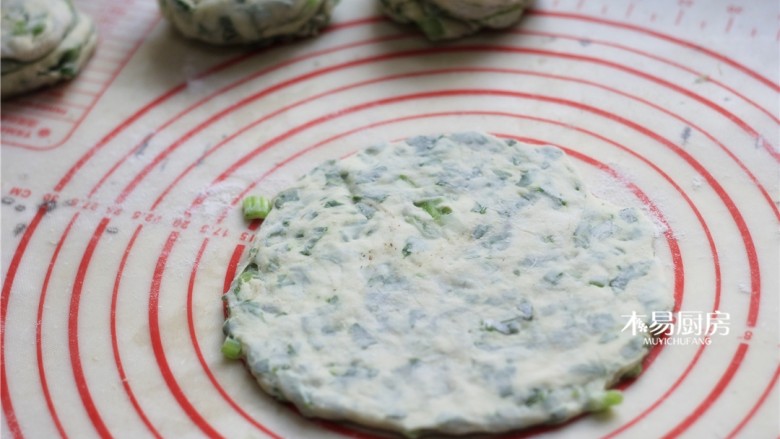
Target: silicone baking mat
(120, 229)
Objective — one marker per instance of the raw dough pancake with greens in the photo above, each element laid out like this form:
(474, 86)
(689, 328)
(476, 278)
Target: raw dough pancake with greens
(455, 283)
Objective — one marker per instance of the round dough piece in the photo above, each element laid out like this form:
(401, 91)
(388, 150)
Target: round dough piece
(33, 28)
(62, 63)
(455, 283)
(247, 21)
(450, 19)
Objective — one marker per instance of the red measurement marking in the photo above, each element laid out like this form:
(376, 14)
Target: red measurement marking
(101, 84)
(604, 10)
(767, 82)
(44, 115)
(230, 273)
(98, 68)
(713, 395)
(39, 328)
(311, 74)
(53, 92)
(147, 217)
(630, 10)
(130, 187)
(247, 237)
(47, 107)
(20, 192)
(181, 223)
(220, 67)
(734, 9)
(666, 84)
(199, 353)
(756, 406)
(84, 159)
(720, 144)
(673, 388)
(60, 93)
(73, 333)
(5, 394)
(61, 102)
(88, 205)
(729, 25)
(753, 32)
(110, 136)
(159, 350)
(741, 123)
(115, 340)
(210, 230)
(679, 17)
(114, 210)
(19, 119)
(19, 132)
(74, 90)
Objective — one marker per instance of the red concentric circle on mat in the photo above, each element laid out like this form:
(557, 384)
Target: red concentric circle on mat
(125, 322)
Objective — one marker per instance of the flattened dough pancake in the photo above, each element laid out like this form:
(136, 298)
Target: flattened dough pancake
(247, 21)
(453, 283)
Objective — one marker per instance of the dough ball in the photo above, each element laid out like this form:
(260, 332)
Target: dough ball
(247, 21)
(450, 19)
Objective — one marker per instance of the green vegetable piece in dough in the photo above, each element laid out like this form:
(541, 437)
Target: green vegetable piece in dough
(609, 399)
(433, 209)
(256, 207)
(231, 348)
